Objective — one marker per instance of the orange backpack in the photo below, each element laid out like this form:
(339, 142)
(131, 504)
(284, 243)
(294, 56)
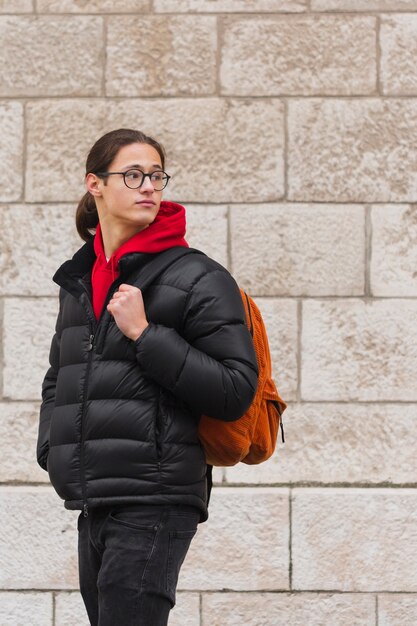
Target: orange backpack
(252, 438)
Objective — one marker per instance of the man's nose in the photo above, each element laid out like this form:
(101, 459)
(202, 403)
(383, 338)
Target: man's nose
(146, 184)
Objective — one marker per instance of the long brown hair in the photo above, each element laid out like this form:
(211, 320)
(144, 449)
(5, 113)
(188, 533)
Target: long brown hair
(99, 159)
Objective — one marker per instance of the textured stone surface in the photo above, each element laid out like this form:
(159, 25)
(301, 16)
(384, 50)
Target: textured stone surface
(35, 241)
(244, 544)
(72, 127)
(352, 150)
(70, 610)
(11, 147)
(29, 324)
(363, 5)
(312, 250)
(280, 317)
(398, 53)
(167, 56)
(207, 231)
(22, 609)
(354, 539)
(397, 610)
(218, 475)
(44, 556)
(276, 188)
(354, 350)
(76, 55)
(302, 55)
(247, 6)
(18, 436)
(187, 610)
(193, 131)
(394, 251)
(16, 6)
(340, 443)
(91, 6)
(267, 609)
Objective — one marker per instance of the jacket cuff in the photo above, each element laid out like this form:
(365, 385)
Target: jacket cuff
(137, 341)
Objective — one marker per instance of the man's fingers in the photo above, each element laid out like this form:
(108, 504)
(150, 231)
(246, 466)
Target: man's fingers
(126, 287)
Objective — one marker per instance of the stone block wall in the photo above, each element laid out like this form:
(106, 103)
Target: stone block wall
(291, 132)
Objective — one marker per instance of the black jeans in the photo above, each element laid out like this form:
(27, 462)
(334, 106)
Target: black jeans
(129, 561)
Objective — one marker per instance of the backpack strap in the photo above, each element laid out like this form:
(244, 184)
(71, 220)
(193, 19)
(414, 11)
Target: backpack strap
(248, 311)
(160, 262)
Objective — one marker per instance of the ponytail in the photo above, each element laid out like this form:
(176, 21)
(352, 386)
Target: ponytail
(86, 216)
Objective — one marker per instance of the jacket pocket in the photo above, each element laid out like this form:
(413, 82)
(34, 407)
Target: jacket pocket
(159, 424)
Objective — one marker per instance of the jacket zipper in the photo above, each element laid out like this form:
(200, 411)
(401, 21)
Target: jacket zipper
(94, 326)
(82, 472)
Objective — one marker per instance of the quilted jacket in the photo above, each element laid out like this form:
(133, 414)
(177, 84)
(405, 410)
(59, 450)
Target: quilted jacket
(118, 419)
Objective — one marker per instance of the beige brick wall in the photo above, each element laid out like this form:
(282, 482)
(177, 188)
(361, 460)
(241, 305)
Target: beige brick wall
(290, 127)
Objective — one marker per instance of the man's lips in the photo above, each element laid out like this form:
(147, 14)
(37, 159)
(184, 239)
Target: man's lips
(146, 202)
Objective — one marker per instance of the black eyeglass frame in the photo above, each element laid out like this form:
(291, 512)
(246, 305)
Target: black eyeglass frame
(150, 174)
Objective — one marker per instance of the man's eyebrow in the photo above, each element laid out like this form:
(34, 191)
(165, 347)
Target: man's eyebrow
(138, 166)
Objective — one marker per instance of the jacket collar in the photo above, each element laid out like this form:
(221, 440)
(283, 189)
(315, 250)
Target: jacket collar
(75, 274)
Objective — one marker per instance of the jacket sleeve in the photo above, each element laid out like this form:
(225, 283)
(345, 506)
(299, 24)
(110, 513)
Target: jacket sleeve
(212, 365)
(48, 396)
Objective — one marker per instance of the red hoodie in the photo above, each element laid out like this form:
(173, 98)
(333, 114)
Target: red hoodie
(166, 231)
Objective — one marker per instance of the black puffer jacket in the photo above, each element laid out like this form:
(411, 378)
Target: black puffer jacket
(118, 420)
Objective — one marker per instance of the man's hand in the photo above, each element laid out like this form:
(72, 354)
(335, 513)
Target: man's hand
(128, 311)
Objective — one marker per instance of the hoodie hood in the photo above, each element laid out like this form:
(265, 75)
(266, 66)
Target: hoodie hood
(166, 231)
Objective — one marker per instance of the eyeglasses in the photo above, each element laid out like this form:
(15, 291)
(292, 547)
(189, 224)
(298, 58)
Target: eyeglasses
(134, 179)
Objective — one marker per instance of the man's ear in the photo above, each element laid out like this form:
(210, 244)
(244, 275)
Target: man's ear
(93, 184)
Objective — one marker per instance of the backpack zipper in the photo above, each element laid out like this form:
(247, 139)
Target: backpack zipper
(282, 430)
(281, 425)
